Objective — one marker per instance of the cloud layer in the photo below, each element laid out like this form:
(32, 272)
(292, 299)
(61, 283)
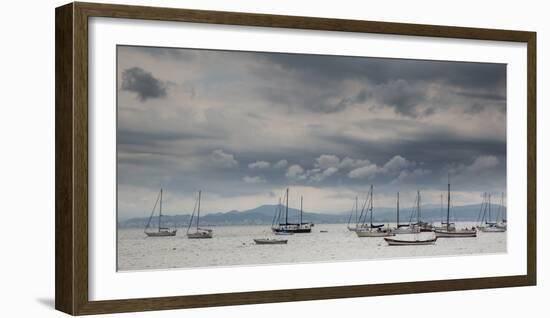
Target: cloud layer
(242, 126)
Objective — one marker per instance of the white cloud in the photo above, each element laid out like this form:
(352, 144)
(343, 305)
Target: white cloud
(281, 164)
(324, 174)
(406, 175)
(222, 159)
(259, 165)
(295, 171)
(327, 161)
(396, 164)
(254, 179)
(368, 171)
(482, 163)
(349, 163)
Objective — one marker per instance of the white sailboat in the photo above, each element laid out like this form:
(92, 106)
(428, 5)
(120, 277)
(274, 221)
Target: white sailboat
(443, 224)
(502, 224)
(354, 210)
(161, 231)
(405, 228)
(372, 230)
(449, 232)
(198, 233)
(486, 225)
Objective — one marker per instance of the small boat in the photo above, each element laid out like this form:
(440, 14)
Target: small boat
(161, 231)
(372, 230)
(449, 232)
(456, 233)
(199, 233)
(268, 241)
(323, 231)
(402, 242)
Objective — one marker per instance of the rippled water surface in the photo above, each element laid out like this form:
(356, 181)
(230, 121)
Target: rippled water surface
(234, 245)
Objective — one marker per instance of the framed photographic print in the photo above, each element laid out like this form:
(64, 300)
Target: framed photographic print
(218, 158)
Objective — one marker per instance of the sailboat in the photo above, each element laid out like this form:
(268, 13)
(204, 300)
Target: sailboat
(422, 226)
(486, 225)
(198, 233)
(408, 229)
(354, 210)
(453, 232)
(161, 231)
(404, 228)
(287, 227)
(372, 230)
(503, 223)
(443, 224)
(275, 224)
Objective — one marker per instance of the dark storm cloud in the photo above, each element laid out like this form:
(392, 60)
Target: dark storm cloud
(399, 84)
(381, 70)
(143, 83)
(434, 150)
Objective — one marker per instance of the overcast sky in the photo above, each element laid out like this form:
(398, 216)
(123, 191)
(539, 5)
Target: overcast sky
(242, 126)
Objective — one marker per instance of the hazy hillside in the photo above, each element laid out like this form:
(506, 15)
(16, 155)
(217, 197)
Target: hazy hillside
(264, 215)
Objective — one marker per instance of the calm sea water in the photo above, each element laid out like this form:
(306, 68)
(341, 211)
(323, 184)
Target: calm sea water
(234, 245)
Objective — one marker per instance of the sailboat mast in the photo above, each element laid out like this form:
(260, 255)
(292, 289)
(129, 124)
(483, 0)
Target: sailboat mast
(280, 209)
(371, 204)
(199, 210)
(441, 208)
(490, 208)
(286, 213)
(448, 200)
(301, 208)
(356, 210)
(418, 207)
(160, 209)
(397, 209)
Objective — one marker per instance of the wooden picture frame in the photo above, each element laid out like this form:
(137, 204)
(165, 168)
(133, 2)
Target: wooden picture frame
(71, 90)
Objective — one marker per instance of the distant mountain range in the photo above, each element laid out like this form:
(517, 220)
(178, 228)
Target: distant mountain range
(264, 215)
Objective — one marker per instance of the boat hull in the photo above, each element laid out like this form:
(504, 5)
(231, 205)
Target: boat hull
(291, 230)
(269, 242)
(396, 242)
(373, 234)
(161, 233)
(406, 230)
(200, 235)
(492, 229)
(458, 234)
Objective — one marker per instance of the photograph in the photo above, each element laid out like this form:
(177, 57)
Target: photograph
(239, 158)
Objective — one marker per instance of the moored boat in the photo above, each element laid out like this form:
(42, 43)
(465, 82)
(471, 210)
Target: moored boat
(403, 242)
(288, 227)
(405, 228)
(161, 231)
(449, 232)
(371, 232)
(198, 233)
(269, 241)
(371, 229)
